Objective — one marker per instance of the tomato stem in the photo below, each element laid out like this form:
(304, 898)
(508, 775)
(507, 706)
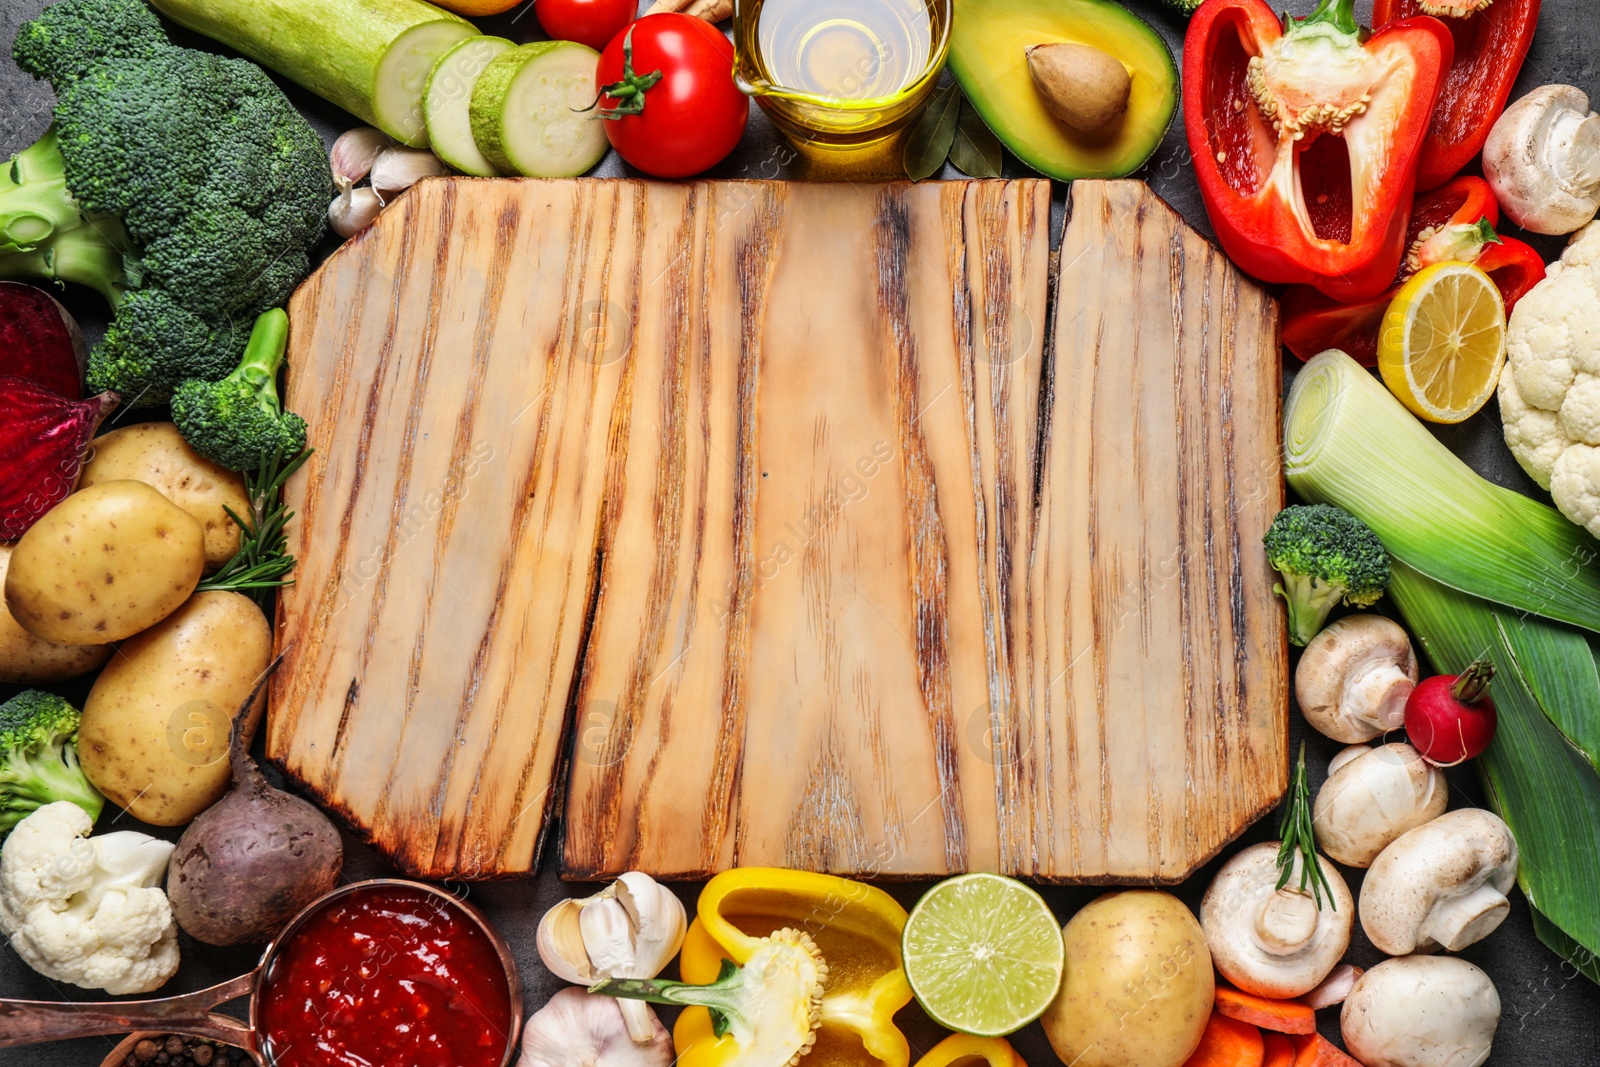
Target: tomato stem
(629, 92)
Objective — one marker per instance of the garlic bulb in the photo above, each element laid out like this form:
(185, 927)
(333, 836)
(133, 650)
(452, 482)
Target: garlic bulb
(353, 211)
(352, 154)
(631, 929)
(398, 169)
(586, 1030)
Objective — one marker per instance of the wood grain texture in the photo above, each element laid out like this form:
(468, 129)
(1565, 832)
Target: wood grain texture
(1155, 728)
(813, 551)
(761, 522)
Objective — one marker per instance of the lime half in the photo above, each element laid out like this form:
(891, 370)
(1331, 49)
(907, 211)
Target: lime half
(983, 954)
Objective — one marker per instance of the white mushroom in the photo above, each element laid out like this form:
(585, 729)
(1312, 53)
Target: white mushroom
(1268, 941)
(1443, 884)
(1543, 159)
(1354, 678)
(1372, 796)
(1421, 1011)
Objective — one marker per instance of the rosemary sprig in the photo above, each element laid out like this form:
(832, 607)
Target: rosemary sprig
(1297, 835)
(262, 562)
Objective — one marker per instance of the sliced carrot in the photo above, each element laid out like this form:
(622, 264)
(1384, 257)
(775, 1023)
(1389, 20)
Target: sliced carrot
(1314, 1050)
(1284, 1016)
(1228, 1043)
(1279, 1050)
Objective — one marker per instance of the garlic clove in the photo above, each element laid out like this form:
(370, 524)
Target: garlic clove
(659, 918)
(352, 154)
(398, 169)
(353, 211)
(608, 937)
(560, 943)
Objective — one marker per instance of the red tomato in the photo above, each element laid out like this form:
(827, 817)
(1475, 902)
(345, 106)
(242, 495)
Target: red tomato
(590, 22)
(670, 105)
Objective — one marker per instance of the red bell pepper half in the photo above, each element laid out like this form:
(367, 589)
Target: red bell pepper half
(1453, 222)
(1305, 138)
(1492, 38)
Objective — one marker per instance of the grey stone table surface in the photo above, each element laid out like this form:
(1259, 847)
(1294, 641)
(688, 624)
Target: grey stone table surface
(1551, 1015)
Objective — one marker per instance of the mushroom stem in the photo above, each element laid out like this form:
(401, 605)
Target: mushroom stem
(1579, 166)
(1468, 919)
(1381, 689)
(1286, 922)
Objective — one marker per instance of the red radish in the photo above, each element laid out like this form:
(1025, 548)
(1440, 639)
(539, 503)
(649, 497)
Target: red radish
(43, 440)
(39, 340)
(1451, 718)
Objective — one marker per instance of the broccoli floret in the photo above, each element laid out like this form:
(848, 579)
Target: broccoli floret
(39, 758)
(1184, 7)
(182, 186)
(68, 39)
(238, 422)
(1326, 556)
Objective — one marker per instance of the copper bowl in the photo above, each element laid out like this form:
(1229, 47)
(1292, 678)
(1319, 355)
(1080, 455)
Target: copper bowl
(31, 1022)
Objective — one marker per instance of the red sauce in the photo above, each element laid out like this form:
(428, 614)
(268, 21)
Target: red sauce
(387, 977)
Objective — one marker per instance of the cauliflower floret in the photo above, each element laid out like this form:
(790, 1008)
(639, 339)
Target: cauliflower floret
(87, 910)
(1554, 335)
(1550, 400)
(1575, 486)
(1583, 250)
(1533, 434)
(1580, 411)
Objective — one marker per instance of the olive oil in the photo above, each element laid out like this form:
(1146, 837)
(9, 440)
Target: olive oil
(840, 73)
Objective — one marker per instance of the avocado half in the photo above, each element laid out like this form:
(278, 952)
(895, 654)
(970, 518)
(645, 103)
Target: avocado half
(988, 55)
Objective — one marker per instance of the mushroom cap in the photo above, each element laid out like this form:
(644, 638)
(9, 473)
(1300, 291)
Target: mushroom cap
(1268, 941)
(1372, 796)
(1442, 884)
(1540, 157)
(1354, 678)
(1421, 1011)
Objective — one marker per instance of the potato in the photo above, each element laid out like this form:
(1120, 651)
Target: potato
(103, 564)
(29, 660)
(154, 737)
(157, 455)
(1138, 985)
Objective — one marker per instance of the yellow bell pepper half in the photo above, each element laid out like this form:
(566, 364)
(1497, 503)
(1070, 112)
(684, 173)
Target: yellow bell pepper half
(856, 927)
(964, 1050)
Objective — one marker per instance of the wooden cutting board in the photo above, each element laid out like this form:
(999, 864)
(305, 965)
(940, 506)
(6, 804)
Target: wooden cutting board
(784, 524)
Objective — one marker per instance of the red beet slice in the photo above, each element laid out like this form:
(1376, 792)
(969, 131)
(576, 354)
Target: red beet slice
(39, 340)
(43, 441)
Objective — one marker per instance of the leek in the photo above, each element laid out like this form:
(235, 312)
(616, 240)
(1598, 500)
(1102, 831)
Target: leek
(1543, 788)
(1556, 940)
(1349, 443)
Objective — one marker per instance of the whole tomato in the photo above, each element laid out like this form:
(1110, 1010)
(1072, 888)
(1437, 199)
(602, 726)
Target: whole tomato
(590, 22)
(667, 95)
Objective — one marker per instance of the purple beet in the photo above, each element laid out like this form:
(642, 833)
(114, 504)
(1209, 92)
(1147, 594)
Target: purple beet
(39, 341)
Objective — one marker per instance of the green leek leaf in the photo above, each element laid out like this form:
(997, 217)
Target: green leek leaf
(1543, 788)
(1558, 667)
(1349, 442)
(1556, 940)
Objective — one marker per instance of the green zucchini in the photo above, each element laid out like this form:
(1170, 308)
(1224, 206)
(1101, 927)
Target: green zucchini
(447, 105)
(371, 57)
(533, 110)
